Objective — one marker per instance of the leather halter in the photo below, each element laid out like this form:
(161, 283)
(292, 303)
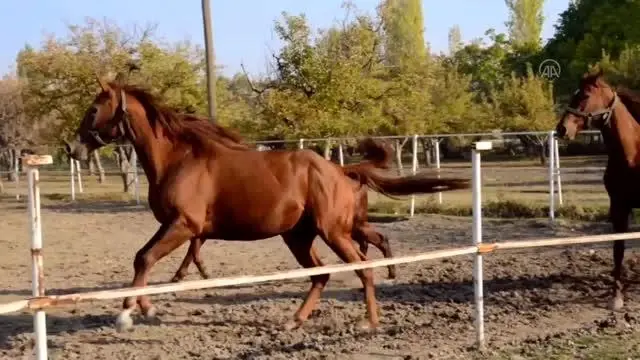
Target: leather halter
(603, 114)
(123, 124)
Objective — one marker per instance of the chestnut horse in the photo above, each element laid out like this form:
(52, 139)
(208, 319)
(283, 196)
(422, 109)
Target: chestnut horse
(376, 153)
(204, 183)
(614, 112)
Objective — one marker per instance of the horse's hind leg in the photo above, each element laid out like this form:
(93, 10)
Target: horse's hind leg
(300, 242)
(342, 244)
(193, 254)
(365, 234)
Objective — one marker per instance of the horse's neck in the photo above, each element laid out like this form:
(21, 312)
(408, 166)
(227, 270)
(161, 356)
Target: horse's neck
(627, 132)
(155, 152)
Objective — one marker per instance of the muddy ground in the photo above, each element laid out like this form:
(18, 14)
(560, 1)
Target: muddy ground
(426, 313)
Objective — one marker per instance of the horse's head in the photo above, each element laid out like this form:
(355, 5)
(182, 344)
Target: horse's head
(590, 107)
(103, 123)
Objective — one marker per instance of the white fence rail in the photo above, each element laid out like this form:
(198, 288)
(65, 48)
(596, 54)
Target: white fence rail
(555, 194)
(39, 302)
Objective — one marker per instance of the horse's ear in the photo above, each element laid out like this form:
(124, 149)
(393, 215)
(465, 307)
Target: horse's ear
(103, 84)
(120, 79)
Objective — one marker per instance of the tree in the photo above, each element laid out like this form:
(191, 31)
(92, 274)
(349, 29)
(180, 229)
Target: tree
(403, 25)
(455, 39)
(587, 29)
(324, 86)
(526, 104)
(17, 131)
(525, 24)
(625, 70)
(487, 64)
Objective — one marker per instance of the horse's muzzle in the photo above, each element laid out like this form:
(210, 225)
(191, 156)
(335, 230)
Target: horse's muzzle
(77, 150)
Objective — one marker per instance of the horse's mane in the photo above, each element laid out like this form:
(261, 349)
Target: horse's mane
(631, 99)
(189, 128)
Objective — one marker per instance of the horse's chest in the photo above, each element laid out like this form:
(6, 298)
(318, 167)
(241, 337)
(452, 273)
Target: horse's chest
(157, 203)
(623, 185)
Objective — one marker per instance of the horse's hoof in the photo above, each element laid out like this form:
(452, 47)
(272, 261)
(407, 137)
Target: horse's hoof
(150, 312)
(179, 276)
(367, 326)
(124, 322)
(292, 324)
(616, 303)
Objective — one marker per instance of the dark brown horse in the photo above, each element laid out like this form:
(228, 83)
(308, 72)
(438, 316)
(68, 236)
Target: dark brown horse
(204, 183)
(376, 153)
(596, 105)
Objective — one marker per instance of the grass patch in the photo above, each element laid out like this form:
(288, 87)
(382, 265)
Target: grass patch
(91, 197)
(500, 208)
(590, 347)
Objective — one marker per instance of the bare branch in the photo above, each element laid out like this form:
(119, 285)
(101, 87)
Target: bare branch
(253, 88)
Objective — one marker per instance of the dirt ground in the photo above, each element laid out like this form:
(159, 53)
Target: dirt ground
(426, 313)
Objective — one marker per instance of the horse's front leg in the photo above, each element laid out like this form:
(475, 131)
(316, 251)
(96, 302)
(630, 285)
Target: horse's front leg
(619, 217)
(193, 254)
(169, 237)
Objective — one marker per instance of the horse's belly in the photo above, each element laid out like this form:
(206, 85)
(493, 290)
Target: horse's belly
(256, 222)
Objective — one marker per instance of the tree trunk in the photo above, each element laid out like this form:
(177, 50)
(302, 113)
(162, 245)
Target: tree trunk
(426, 149)
(399, 145)
(542, 154)
(95, 162)
(124, 160)
(3, 164)
(92, 167)
(14, 169)
(5, 157)
(327, 150)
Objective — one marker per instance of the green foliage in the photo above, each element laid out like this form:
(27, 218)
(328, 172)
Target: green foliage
(486, 63)
(326, 85)
(504, 209)
(625, 70)
(455, 39)
(525, 24)
(587, 29)
(525, 104)
(403, 26)
(368, 74)
(60, 77)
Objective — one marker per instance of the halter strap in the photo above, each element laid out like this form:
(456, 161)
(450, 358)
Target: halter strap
(123, 124)
(604, 114)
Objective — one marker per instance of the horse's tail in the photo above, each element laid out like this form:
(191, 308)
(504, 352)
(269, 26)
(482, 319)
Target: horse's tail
(375, 152)
(391, 186)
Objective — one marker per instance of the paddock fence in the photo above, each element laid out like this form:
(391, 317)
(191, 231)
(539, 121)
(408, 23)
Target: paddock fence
(39, 302)
(522, 166)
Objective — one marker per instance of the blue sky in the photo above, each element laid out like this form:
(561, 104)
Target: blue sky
(242, 28)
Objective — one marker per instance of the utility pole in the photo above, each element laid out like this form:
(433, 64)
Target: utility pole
(210, 58)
